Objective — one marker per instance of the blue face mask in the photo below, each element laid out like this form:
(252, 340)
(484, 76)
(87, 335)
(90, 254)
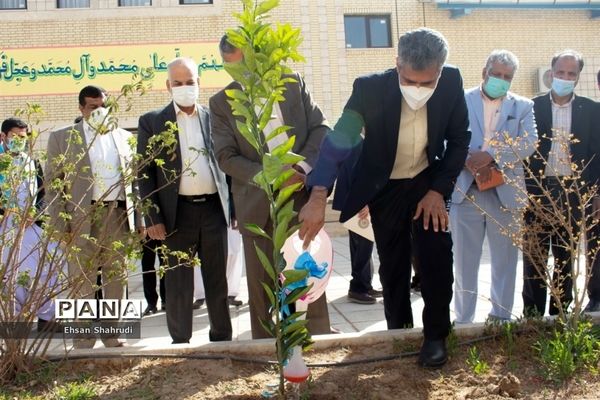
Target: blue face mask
(16, 144)
(496, 87)
(562, 87)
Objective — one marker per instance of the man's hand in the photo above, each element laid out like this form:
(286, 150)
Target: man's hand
(484, 173)
(142, 232)
(312, 215)
(298, 177)
(364, 213)
(432, 207)
(234, 224)
(157, 232)
(478, 160)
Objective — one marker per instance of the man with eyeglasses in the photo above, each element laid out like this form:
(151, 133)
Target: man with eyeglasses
(416, 139)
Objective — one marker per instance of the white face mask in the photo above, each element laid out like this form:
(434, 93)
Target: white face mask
(185, 96)
(416, 97)
(98, 117)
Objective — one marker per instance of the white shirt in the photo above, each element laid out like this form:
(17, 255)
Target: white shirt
(275, 122)
(196, 176)
(559, 158)
(491, 113)
(106, 165)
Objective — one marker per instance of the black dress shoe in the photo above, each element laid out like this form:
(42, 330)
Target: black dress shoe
(234, 302)
(361, 298)
(375, 293)
(150, 310)
(49, 326)
(433, 354)
(179, 341)
(592, 306)
(197, 304)
(163, 306)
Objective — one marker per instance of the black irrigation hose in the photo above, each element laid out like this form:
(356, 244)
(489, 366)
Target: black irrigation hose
(258, 361)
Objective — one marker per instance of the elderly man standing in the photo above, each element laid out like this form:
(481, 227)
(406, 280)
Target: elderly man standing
(503, 135)
(240, 161)
(416, 140)
(559, 114)
(191, 205)
(96, 199)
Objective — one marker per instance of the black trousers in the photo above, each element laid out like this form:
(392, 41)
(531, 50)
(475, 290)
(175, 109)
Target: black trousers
(542, 232)
(149, 273)
(200, 228)
(593, 251)
(361, 250)
(396, 236)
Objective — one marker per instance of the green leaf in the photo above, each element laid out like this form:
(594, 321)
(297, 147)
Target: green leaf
(294, 275)
(259, 179)
(266, 263)
(257, 230)
(266, 115)
(284, 147)
(293, 317)
(294, 326)
(266, 6)
(268, 326)
(296, 294)
(285, 193)
(278, 131)
(280, 235)
(245, 131)
(291, 158)
(284, 176)
(272, 167)
(237, 95)
(269, 292)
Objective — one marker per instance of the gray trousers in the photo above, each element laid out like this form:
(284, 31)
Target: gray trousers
(469, 224)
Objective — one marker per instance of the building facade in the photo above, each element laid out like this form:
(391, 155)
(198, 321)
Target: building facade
(342, 40)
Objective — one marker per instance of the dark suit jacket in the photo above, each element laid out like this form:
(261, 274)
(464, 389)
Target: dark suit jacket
(239, 159)
(162, 188)
(585, 127)
(377, 99)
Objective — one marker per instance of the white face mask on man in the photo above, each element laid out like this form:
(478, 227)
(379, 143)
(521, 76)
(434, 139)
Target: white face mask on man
(416, 97)
(185, 96)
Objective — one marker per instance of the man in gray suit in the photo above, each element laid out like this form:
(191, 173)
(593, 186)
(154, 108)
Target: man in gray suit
(95, 197)
(191, 204)
(497, 117)
(240, 161)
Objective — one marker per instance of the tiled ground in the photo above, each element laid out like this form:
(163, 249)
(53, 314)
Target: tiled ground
(346, 316)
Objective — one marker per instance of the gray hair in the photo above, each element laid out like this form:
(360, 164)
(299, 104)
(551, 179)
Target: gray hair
(185, 61)
(422, 48)
(225, 47)
(503, 57)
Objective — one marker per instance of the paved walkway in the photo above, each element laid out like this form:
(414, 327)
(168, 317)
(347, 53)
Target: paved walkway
(345, 316)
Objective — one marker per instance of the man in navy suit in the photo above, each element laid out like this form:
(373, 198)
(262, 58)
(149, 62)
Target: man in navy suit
(559, 114)
(416, 141)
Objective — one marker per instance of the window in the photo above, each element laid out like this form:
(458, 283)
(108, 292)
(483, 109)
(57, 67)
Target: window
(367, 31)
(13, 4)
(134, 3)
(195, 1)
(73, 4)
